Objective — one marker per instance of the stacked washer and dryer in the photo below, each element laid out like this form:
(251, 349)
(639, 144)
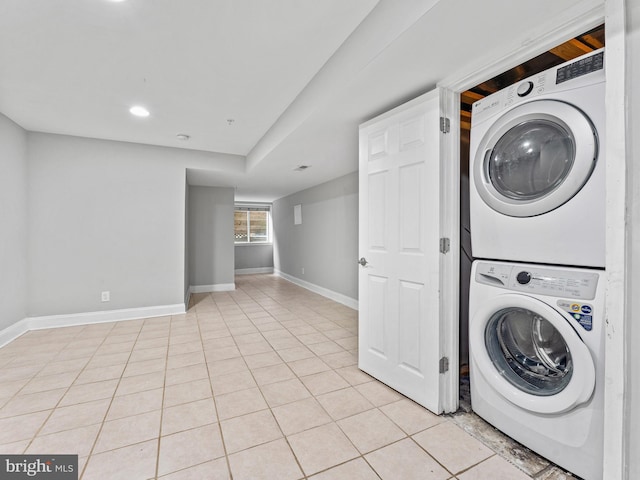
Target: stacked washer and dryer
(537, 291)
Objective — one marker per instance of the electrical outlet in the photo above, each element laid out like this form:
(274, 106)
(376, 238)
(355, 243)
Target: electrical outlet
(106, 296)
(302, 270)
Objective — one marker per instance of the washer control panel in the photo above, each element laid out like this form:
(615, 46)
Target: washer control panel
(523, 277)
(534, 279)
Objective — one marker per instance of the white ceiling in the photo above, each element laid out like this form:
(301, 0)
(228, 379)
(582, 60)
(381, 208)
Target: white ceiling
(297, 76)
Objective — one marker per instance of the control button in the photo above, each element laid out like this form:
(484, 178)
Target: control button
(523, 278)
(525, 88)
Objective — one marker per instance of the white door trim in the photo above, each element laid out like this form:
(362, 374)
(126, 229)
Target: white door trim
(450, 262)
(573, 22)
(619, 290)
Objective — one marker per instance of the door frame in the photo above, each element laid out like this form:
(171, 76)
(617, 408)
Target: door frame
(450, 262)
(574, 21)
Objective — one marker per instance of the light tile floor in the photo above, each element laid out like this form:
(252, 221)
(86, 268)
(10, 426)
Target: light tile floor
(259, 383)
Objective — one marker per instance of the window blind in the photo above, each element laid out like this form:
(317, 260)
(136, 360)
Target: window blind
(253, 207)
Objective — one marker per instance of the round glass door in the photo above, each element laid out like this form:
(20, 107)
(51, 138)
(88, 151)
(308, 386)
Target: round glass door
(535, 158)
(531, 160)
(528, 351)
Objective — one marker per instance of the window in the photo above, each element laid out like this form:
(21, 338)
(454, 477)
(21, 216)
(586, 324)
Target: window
(252, 224)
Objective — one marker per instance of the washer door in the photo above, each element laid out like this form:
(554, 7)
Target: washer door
(531, 355)
(535, 158)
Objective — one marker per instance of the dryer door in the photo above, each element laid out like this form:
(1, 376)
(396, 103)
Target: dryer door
(535, 158)
(531, 354)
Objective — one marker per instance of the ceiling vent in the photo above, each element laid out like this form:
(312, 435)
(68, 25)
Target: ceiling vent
(301, 168)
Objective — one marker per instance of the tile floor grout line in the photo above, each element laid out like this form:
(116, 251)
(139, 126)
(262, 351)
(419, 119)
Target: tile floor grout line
(67, 391)
(371, 466)
(284, 436)
(255, 303)
(113, 397)
(213, 398)
(332, 420)
(164, 389)
(430, 455)
(37, 372)
(406, 434)
(263, 397)
(494, 454)
(106, 413)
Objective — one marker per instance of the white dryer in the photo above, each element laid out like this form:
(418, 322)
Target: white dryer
(537, 168)
(536, 347)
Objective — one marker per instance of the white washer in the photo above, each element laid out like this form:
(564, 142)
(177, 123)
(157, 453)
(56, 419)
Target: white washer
(536, 347)
(537, 168)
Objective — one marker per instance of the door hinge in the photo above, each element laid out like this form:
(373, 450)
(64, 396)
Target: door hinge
(445, 125)
(445, 245)
(444, 365)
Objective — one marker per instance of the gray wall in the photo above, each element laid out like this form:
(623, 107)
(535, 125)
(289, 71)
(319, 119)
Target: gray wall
(110, 216)
(254, 256)
(633, 186)
(211, 244)
(13, 221)
(326, 244)
(104, 216)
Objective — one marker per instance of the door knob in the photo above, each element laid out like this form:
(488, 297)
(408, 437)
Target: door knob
(363, 262)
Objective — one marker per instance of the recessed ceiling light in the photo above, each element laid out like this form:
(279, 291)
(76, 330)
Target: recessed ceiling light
(183, 136)
(139, 111)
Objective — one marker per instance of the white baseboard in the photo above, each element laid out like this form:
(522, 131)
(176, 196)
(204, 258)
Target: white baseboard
(220, 287)
(51, 321)
(14, 331)
(253, 271)
(325, 292)
(54, 321)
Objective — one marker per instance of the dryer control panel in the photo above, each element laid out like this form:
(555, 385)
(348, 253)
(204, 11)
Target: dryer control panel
(534, 279)
(588, 64)
(577, 73)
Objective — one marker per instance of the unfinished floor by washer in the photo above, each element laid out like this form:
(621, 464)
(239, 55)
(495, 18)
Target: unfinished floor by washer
(258, 383)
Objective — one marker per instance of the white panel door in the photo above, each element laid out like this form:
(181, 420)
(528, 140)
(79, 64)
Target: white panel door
(399, 322)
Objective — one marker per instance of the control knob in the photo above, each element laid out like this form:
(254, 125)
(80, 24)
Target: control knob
(524, 88)
(523, 278)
